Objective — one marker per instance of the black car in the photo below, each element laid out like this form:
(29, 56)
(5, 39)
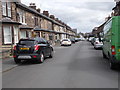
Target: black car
(32, 49)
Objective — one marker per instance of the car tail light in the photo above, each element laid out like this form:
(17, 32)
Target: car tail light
(113, 50)
(14, 56)
(14, 48)
(97, 42)
(34, 56)
(37, 47)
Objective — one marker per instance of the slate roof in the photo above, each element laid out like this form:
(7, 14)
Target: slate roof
(9, 21)
(23, 6)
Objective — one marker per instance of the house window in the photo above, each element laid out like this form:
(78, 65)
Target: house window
(15, 34)
(36, 21)
(6, 7)
(22, 34)
(7, 35)
(22, 16)
(9, 9)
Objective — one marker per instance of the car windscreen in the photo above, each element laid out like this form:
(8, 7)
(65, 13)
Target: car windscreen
(65, 40)
(27, 42)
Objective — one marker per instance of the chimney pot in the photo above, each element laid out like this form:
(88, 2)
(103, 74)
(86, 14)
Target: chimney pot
(32, 5)
(38, 10)
(52, 16)
(46, 13)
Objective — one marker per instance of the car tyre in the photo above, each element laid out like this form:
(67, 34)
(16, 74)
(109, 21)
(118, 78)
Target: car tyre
(17, 61)
(51, 54)
(112, 66)
(104, 56)
(41, 59)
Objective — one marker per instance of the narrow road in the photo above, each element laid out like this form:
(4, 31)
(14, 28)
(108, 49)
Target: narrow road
(78, 66)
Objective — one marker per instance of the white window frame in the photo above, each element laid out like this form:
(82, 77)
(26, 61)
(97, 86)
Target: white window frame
(22, 16)
(16, 34)
(4, 10)
(9, 9)
(7, 35)
(23, 36)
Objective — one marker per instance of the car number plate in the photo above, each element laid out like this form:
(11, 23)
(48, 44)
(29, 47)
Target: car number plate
(24, 48)
(24, 57)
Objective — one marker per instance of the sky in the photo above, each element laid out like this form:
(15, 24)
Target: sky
(82, 15)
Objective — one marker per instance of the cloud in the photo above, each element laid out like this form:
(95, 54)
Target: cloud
(81, 14)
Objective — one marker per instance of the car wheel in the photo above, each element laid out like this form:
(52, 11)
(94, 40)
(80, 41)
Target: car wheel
(104, 56)
(51, 54)
(41, 59)
(17, 61)
(112, 66)
(95, 48)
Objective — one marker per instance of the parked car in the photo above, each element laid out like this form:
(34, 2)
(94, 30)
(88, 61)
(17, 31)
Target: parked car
(32, 49)
(72, 40)
(82, 39)
(111, 41)
(77, 39)
(98, 44)
(66, 42)
(93, 40)
(90, 38)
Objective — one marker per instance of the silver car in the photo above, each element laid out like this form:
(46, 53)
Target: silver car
(98, 44)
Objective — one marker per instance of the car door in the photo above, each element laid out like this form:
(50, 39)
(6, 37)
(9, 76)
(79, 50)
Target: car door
(47, 47)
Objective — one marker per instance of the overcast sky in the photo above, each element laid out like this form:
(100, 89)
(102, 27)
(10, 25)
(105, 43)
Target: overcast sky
(81, 14)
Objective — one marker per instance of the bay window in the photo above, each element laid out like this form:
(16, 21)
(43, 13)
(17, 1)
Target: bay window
(7, 35)
(15, 34)
(22, 34)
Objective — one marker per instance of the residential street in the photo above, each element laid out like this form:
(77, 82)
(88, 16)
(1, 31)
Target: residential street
(76, 66)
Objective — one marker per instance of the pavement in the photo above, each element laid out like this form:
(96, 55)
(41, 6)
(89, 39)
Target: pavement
(76, 66)
(7, 63)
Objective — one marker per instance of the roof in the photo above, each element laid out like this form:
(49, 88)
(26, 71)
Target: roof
(9, 21)
(52, 31)
(25, 27)
(35, 12)
(117, 4)
(25, 7)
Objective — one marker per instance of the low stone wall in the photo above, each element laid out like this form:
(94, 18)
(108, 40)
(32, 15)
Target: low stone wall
(5, 54)
(6, 51)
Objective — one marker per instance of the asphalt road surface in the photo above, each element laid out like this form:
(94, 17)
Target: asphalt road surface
(77, 66)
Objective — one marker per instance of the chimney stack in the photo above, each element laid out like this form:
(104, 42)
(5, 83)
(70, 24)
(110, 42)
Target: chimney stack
(38, 10)
(57, 19)
(32, 5)
(52, 16)
(46, 13)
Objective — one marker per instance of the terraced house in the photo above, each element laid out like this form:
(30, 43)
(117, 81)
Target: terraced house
(21, 21)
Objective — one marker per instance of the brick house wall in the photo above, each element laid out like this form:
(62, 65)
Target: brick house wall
(30, 21)
(13, 11)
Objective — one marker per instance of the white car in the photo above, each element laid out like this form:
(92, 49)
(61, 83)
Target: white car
(66, 42)
(98, 44)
